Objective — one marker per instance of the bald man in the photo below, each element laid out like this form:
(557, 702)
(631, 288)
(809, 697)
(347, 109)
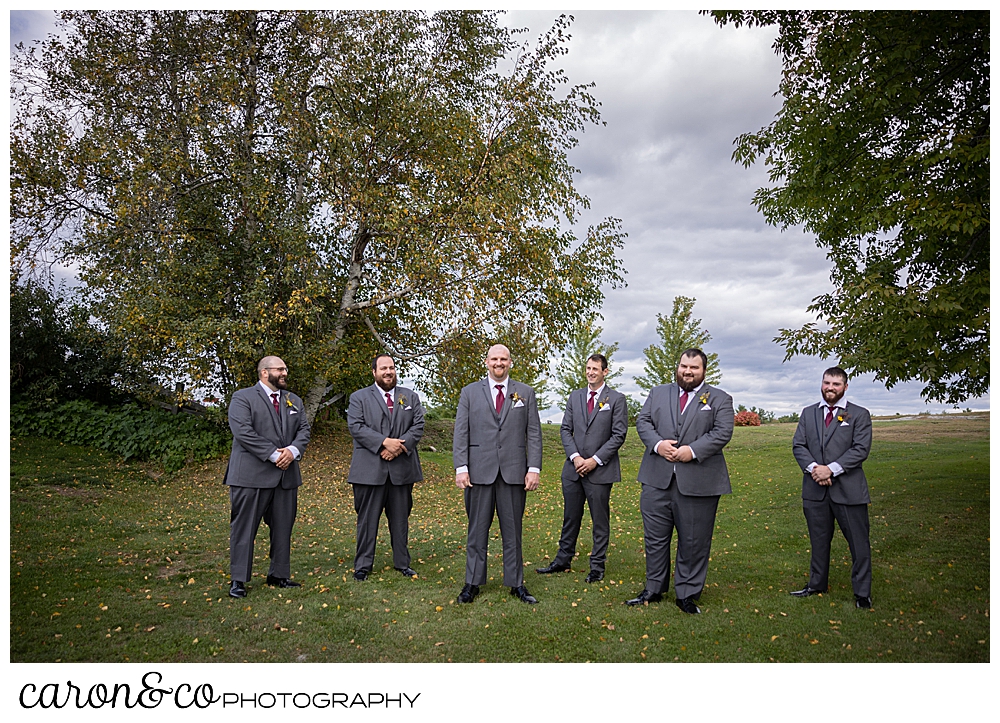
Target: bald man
(497, 453)
(270, 433)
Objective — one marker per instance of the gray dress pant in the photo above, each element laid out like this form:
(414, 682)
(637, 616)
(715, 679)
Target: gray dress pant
(369, 502)
(248, 506)
(598, 498)
(853, 522)
(663, 511)
(507, 501)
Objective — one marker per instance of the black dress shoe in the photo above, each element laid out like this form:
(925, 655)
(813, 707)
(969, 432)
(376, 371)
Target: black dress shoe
(688, 605)
(645, 597)
(806, 592)
(594, 576)
(407, 571)
(361, 575)
(282, 582)
(468, 593)
(522, 594)
(237, 589)
(554, 567)
(862, 601)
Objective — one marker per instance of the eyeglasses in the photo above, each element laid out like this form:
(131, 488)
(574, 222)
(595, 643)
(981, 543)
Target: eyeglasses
(277, 369)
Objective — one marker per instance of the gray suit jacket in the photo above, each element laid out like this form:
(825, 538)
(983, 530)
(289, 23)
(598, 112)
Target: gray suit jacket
(369, 422)
(257, 434)
(489, 443)
(706, 427)
(846, 442)
(601, 433)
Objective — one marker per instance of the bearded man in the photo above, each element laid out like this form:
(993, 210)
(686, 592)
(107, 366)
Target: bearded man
(832, 440)
(270, 433)
(386, 421)
(684, 427)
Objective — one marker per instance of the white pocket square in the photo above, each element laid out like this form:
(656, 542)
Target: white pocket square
(405, 408)
(707, 406)
(518, 403)
(291, 412)
(844, 424)
(605, 408)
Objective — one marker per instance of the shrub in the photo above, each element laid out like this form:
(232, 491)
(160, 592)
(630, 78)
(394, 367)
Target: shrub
(130, 430)
(747, 419)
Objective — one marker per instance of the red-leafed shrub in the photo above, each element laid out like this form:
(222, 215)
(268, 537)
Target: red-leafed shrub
(747, 419)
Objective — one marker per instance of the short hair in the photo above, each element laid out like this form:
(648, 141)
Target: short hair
(599, 358)
(836, 372)
(694, 352)
(262, 364)
(379, 356)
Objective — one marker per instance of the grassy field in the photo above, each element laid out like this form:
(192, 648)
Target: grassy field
(115, 562)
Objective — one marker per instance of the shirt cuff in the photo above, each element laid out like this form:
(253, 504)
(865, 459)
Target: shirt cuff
(464, 469)
(535, 470)
(836, 469)
(574, 456)
(598, 460)
(657, 446)
(811, 467)
(274, 456)
(693, 455)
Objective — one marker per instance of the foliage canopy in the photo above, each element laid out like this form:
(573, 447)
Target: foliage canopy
(320, 185)
(571, 373)
(881, 149)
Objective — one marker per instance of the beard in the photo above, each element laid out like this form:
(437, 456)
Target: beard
(276, 381)
(832, 397)
(386, 386)
(691, 385)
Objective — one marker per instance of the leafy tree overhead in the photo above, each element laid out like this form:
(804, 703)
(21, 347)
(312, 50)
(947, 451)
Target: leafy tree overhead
(881, 149)
(320, 185)
(571, 372)
(677, 332)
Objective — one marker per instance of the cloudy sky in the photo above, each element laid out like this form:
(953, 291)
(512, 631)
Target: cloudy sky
(676, 90)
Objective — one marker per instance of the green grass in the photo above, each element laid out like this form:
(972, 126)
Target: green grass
(114, 562)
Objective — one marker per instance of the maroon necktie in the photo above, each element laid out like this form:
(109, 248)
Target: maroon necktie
(499, 397)
(829, 416)
(388, 401)
(274, 400)
(684, 401)
(590, 403)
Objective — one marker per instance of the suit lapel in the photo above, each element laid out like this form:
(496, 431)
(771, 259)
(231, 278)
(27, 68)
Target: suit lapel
(507, 402)
(270, 408)
(490, 397)
(597, 401)
(828, 431)
(690, 409)
(380, 396)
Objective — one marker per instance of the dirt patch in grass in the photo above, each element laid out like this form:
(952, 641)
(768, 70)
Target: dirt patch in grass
(927, 429)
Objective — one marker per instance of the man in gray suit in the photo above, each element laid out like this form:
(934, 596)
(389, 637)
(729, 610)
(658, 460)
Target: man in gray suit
(270, 433)
(386, 421)
(684, 427)
(593, 429)
(497, 452)
(832, 440)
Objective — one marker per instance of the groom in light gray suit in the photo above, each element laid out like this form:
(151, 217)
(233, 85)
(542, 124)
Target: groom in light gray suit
(387, 422)
(830, 443)
(593, 429)
(497, 452)
(684, 427)
(270, 433)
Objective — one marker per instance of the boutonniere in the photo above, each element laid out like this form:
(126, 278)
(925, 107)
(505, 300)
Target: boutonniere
(603, 403)
(516, 397)
(843, 416)
(401, 400)
(703, 398)
(288, 403)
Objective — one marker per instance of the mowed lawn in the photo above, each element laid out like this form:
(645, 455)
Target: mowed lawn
(115, 562)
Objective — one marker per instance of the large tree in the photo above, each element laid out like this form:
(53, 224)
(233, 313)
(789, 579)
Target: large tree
(678, 333)
(319, 185)
(882, 150)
